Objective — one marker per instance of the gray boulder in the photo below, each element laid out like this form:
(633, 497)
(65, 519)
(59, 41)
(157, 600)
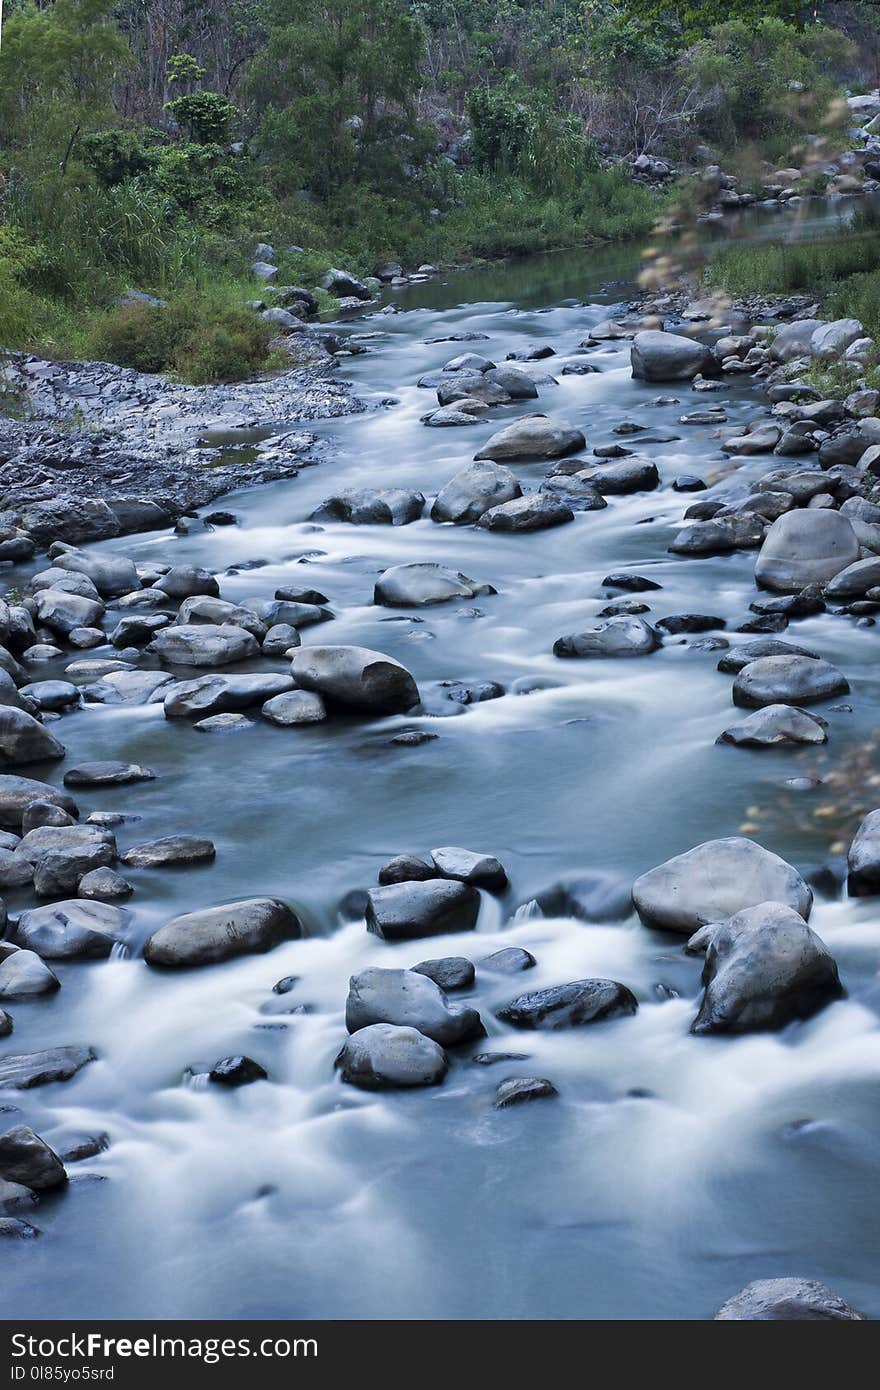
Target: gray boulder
(715, 880)
(405, 911)
(196, 644)
(764, 967)
(519, 1090)
(569, 1006)
(294, 613)
(218, 933)
(449, 972)
(108, 772)
(294, 708)
(24, 739)
(170, 849)
(536, 512)
(29, 1069)
(72, 930)
(517, 384)
(421, 584)
(61, 612)
(472, 491)
(110, 574)
(355, 678)
(467, 866)
(627, 475)
(657, 356)
(787, 680)
(863, 860)
(203, 608)
(787, 1300)
(280, 639)
(793, 339)
(855, 580)
(610, 637)
(805, 547)
(27, 1159)
(386, 1057)
(208, 695)
(343, 285)
(533, 437)
(184, 581)
(775, 726)
(408, 999)
(372, 507)
(23, 975)
(737, 658)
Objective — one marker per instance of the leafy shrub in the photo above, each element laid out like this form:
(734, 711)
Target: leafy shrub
(201, 340)
(208, 117)
(116, 155)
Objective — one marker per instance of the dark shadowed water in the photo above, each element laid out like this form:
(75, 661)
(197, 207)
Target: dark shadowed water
(672, 1170)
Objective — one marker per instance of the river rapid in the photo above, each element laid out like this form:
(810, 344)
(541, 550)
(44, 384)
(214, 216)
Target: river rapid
(672, 1169)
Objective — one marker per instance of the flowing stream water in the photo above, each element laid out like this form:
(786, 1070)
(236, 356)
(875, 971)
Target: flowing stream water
(672, 1169)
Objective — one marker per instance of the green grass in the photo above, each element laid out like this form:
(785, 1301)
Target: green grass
(807, 267)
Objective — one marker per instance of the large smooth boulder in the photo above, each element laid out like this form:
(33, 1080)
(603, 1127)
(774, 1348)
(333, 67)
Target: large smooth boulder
(24, 975)
(627, 475)
(61, 854)
(405, 911)
(794, 339)
(569, 1006)
(24, 739)
(536, 512)
(863, 860)
(372, 507)
(472, 491)
(855, 580)
(294, 708)
(387, 1057)
(110, 574)
(28, 1069)
(27, 1159)
(737, 658)
(61, 612)
(355, 678)
(214, 934)
(72, 930)
(787, 1300)
(408, 999)
(787, 680)
(202, 644)
(421, 584)
(208, 695)
(658, 356)
(764, 967)
(776, 726)
(517, 383)
(832, 339)
(170, 849)
(713, 881)
(610, 637)
(469, 866)
(805, 547)
(184, 581)
(533, 437)
(203, 608)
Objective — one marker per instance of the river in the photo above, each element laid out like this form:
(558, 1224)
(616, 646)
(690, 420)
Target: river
(672, 1169)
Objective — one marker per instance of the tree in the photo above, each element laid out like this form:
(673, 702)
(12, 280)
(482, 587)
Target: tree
(335, 85)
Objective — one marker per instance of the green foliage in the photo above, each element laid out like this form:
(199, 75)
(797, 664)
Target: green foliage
(207, 117)
(116, 155)
(812, 267)
(694, 17)
(200, 337)
(549, 151)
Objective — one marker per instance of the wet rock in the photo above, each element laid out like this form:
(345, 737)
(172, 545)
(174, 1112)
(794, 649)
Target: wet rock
(509, 960)
(295, 614)
(17, 793)
(345, 286)
(787, 680)
(533, 437)
(408, 999)
(793, 339)
(467, 866)
(294, 708)
(24, 739)
(128, 687)
(184, 581)
(171, 849)
(197, 644)
(29, 1069)
(61, 695)
(104, 884)
(759, 440)
(764, 967)
(406, 868)
(852, 582)
(355, 678)
(280, 639)
(27, 1159)
(704, 538)
(472, 491)
(406, 911)
(72, 930)
(385, 1057)
(597, 896)
(237, 1071)
(536, 512)
(803, 605)
(213, 934)
(449, 972)
(207, 695)
(223, 723)
(518, 1090)
(776, 725)
(202, 608)
(110, 574)
(657, 356)
(569, 1006)
(63, 612)
(629, 475)
(739, 657)
(787, 1300)
(863, 860)
(85, 1146)
(12, 1228)
(631, 583)
(107, 773)
(576, 490)
(372, 507)
(805, 547)
(690, 622)
(419, 585)
(715, 880)
(611, 637)
(23, 975)
(5, 1024)
(518, 385)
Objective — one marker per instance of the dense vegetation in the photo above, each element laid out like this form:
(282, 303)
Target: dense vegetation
(150, 144)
